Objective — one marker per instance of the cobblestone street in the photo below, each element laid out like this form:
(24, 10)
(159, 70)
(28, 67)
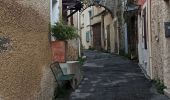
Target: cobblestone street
(112, 77)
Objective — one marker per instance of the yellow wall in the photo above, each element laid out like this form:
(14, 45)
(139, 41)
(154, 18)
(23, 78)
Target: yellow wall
(108, 20)
(24, 67)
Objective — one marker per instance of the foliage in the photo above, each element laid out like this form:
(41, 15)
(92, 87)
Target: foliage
(104, 51)
(91, 48)
(62, 31)
(159, 86)
(81, 60)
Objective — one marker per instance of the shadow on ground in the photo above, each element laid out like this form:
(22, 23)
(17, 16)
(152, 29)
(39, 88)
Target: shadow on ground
(112, 77)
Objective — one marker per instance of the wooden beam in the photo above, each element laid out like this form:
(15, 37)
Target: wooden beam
(72, 13)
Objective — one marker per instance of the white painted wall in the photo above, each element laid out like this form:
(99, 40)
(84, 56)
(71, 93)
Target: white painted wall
(54, 13)
(142, 52)
(85, 27)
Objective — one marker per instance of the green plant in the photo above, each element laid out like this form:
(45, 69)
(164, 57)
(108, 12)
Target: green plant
(91, 48)
(81, 60)
(159, 86)
(104, 51)
(62, 31)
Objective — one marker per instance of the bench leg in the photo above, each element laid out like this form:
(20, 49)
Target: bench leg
(73, 83)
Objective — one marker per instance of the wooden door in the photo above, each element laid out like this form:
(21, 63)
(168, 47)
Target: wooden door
(97, 36)
(108, 37)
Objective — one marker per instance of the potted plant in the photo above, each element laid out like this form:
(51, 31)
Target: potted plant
(62, 33)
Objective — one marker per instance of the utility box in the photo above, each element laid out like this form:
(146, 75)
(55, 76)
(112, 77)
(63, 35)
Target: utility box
(167, 29)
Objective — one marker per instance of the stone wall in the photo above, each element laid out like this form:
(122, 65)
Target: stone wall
(157, 45)
(72, 50)
(73, 45)
(25, 50)
(160, 13)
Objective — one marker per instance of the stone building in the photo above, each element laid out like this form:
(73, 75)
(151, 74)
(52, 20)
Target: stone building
(143, 42)
(25, 53)
(130, 29)
(74, 45)
(160, 44)
(97, 25)
(85, 27)
(113, 10)
(154, 57)
(98, 29)
(70, 14)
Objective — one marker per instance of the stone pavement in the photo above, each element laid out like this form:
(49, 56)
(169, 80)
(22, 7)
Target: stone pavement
(112, 77)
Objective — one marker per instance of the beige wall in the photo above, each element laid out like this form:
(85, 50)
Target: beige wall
(85, 27)
(96, 20)
(97, 9)
(108, 20)
(24, 69)
(101, 15)
(96, 12)
(160, 13)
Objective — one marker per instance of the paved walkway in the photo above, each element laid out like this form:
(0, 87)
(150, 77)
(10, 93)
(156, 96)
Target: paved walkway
(111, 77)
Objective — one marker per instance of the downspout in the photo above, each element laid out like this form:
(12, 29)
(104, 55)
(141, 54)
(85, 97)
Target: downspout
(78, 25)
(91, 31)
(150, 39)
(102, 32)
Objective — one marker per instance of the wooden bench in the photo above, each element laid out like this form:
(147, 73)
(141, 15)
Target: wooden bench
(59, 76)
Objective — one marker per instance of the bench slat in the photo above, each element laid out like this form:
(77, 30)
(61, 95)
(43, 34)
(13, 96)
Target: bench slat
(66, 77)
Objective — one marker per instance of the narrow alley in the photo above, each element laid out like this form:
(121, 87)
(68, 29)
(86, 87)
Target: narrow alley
(112, 77)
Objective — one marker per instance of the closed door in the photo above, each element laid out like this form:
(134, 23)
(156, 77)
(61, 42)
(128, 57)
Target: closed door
(97, 36)
(108, 37)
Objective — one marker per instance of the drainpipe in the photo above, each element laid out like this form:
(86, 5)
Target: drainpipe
(78, 25)
(150, 38)
(102, 32)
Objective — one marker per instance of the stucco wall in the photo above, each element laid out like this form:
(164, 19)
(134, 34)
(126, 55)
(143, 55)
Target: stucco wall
(96, 18)
(85, 27)
(157, 45)
(109, 21)
(160, 13)
(24, 68)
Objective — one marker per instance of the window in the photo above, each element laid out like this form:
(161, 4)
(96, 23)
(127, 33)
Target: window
(88, 36)
(90, 14)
